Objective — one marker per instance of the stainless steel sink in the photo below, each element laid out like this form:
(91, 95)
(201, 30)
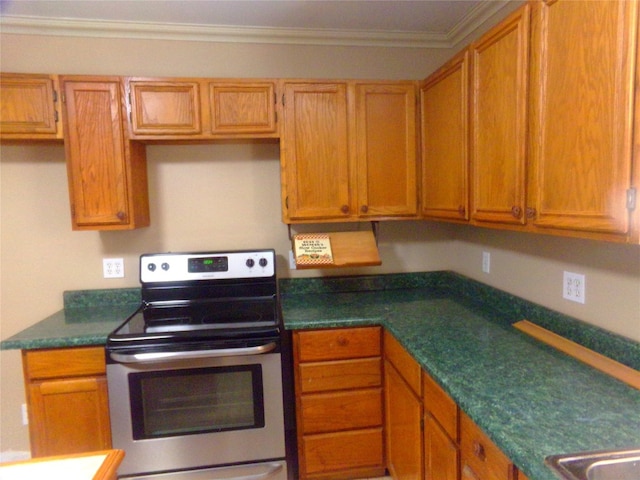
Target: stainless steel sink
(600, 465)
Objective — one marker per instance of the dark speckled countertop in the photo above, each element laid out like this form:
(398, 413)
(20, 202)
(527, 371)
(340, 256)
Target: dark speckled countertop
(530, 399)
(87, 318)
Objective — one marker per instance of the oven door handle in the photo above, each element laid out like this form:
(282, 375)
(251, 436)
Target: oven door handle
(154, 357)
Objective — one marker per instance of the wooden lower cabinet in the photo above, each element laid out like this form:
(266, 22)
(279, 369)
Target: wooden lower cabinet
(480, 458)
(67, 400)
(428, 436)
(441, 432)
(338, 381)
(403, 408)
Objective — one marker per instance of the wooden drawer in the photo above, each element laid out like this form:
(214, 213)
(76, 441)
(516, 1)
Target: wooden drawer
(441, 406)
(404, 363)
(63, 362)
(344, 451)
(481, 459)
(338, 344)
(331, 412)
(340, 375)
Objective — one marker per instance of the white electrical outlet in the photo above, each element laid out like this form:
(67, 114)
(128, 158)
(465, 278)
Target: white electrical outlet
(573, 287)
(486, 262)
(113, 267)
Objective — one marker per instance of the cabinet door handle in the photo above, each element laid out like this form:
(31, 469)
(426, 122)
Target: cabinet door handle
(344, 209)
(121, 215)
(516, 211)
(531, 212)
(461, 210)
(478, 450)
(364, 209)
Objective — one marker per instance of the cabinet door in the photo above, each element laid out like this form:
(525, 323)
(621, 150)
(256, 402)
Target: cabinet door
(28, 107)
(386, 150)
(69, 416)
(499, 121)
(165, 107)
(315, 152)
(403, 427)
(107, 174)
(242, 107)
(440, 452)
(480, 458)
(445, 131)
(581, 113)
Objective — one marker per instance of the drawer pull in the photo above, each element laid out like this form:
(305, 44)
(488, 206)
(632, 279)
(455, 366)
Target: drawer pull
(343, 342)
(478, 451)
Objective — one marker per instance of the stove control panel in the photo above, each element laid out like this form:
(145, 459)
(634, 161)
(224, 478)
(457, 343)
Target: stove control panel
(179, 267)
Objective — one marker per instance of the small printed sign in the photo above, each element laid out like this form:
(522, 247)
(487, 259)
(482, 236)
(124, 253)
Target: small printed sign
(312, 249)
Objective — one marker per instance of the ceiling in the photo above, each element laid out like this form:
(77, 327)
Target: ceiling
(416, 23)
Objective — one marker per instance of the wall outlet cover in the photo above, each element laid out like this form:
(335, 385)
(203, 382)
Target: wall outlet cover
(574, 287)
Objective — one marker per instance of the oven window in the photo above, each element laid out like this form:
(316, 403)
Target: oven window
(191, 401)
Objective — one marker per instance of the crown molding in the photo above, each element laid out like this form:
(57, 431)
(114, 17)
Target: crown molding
(28, 25)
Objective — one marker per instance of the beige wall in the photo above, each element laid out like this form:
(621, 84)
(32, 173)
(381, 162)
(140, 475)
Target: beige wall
(223, 196)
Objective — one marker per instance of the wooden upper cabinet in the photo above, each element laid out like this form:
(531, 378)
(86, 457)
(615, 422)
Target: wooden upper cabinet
(582, 107)
(315, 152)
(165, 107)
(29, 107)
(107, 172)
(348, 151)
(242, 107)
(499, 62)
(386, 149)
(444, 100)
(201, 109)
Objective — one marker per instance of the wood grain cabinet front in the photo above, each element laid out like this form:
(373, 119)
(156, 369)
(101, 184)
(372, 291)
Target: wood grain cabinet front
(107, 172)
(348, 151)
(444, 102)
(499, 66)
(480, 458)
(29, 107)
(67, 400)
(441, 427)
(201, 109)
(583, 101)
(338, 380)
(403, 408)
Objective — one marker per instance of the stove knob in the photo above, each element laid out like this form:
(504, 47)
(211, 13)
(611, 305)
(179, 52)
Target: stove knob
(263, 262)
(250, 262)
(165, 266)
(151, 267)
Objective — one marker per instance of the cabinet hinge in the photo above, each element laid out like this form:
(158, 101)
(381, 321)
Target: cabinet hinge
(55, 116)
(631, 198)
(55, 96)
(283, 99)
(422, 424)
(63, 98)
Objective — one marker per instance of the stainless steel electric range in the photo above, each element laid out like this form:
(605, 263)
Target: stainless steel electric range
(199, 375)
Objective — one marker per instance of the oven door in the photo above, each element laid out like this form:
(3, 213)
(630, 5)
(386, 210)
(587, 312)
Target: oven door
(177, 414)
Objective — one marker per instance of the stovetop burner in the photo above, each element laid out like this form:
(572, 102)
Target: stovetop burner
(203, 297)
